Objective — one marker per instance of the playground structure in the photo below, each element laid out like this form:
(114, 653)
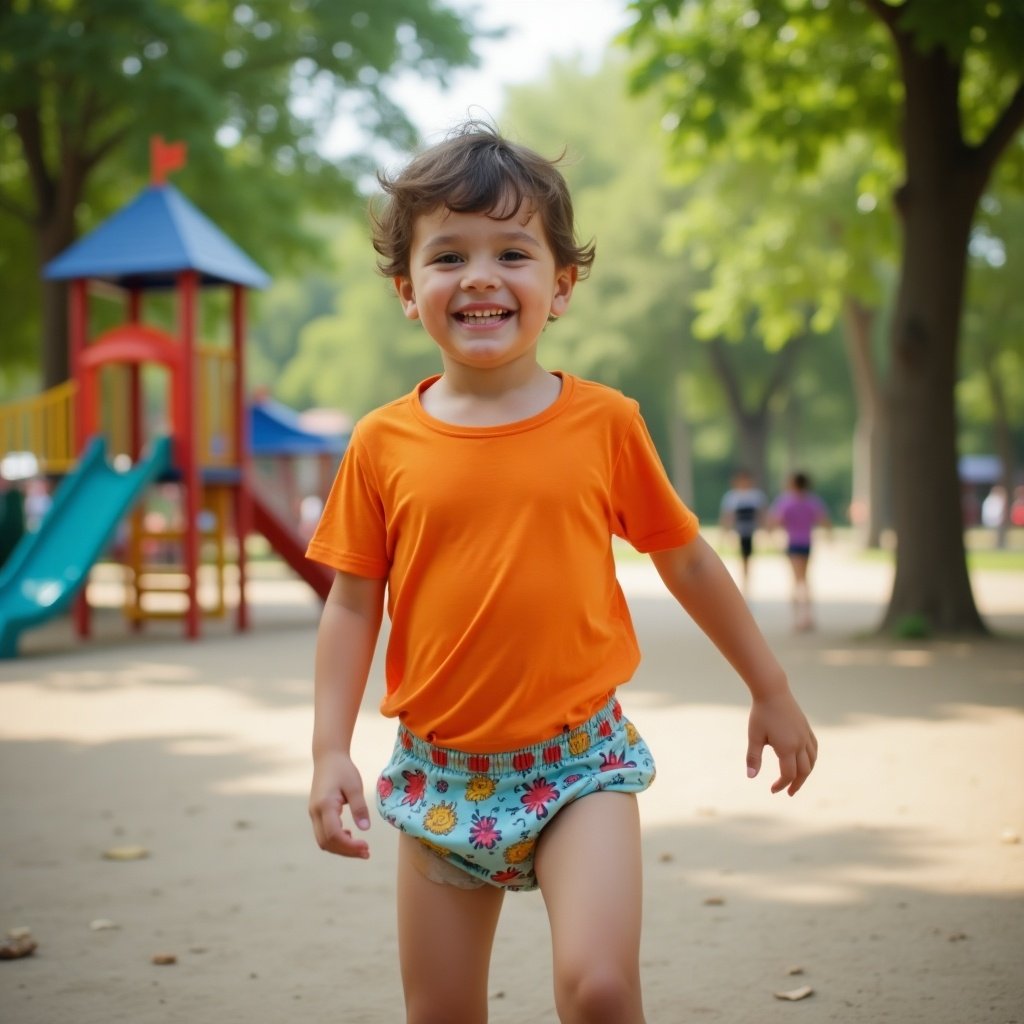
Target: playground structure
(151, 416)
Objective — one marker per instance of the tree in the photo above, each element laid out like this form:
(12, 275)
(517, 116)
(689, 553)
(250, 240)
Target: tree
(944, 85)
(252, 87)
(785, 251)
(363, 352)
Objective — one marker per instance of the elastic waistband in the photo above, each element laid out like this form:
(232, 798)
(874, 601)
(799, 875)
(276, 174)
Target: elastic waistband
(568, 743)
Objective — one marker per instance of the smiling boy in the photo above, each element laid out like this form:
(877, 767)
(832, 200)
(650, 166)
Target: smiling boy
(483, 504)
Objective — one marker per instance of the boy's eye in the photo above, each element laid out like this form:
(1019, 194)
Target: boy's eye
(514, 254)
(448, 257)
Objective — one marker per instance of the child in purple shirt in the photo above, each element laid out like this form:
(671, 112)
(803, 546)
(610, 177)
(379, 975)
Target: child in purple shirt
(798, 511)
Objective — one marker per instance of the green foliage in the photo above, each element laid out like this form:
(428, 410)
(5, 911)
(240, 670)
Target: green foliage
(780, 133)
(362, 352)
(792, 81)
(912, 627)
(20, 297)
(787, 117)
(991, 391)
(278, 315)
(252, 88)
(765, 71)
(783, 247)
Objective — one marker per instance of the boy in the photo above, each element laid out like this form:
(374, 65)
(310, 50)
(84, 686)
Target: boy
(484, 503)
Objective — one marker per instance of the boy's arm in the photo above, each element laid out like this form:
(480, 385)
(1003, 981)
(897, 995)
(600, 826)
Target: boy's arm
(700, 582)
(344, 649)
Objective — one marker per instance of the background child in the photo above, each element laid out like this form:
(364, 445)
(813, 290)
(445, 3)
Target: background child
(742, 510)
(798, 511)
(484, 504)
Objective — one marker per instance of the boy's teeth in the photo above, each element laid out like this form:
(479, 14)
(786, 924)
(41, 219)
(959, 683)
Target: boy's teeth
(482, 314)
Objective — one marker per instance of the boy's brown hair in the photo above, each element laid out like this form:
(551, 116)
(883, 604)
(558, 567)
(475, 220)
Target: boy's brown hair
(475, 170)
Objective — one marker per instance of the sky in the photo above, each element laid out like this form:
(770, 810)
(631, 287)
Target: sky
(538, 31)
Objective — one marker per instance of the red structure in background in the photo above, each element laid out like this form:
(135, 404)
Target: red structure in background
(161, 242)
(165, 157)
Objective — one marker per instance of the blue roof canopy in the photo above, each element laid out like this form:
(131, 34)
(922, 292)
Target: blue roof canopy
(153, 239)
(277, 430)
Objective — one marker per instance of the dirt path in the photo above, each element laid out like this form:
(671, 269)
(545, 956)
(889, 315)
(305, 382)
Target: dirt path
(893, 882)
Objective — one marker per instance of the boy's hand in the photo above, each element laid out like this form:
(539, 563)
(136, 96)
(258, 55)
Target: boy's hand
(778, 722)
(336, 782)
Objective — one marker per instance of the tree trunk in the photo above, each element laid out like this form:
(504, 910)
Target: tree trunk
(751, 423)
(55, 232)
(54, 333)
(870, 504)
(752, 420)
(932, 588)
(680, 441)
(57, 194)
(681, 450)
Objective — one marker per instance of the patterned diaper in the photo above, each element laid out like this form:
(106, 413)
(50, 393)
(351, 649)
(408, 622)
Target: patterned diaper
(484, 813)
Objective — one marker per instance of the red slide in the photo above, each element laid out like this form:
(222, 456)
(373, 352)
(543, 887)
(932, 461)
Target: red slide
(287, 543)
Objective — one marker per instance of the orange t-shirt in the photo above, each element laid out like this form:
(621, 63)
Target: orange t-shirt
(507, 621)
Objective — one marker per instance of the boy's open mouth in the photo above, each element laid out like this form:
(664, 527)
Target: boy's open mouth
(483, 317)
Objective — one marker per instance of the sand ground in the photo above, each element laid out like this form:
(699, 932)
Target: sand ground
(892, 884)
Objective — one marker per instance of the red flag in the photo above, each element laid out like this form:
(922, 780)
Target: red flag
(165, 157)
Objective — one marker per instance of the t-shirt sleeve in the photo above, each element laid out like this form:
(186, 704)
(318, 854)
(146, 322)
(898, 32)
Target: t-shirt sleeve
(352, 533)
(647, 510)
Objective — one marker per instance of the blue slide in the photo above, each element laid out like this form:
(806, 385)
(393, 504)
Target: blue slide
(47, 568)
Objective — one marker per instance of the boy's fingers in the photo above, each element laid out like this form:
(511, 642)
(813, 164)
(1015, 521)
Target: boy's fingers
(333, 837)
(787, 773)
(326, 825)
(347, 845)
(754, 753)
(360, 812)
(329, 830)
(804, 764)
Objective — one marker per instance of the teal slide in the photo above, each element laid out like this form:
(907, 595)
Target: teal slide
(47, 568)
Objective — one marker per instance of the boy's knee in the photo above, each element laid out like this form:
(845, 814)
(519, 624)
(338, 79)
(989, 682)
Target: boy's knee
(596, 993)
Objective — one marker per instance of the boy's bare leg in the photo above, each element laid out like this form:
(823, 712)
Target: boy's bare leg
(445, 934)
(589, 867)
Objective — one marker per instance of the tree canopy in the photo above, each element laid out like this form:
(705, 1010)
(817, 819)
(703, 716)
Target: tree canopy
(941, 87)
(251, 87)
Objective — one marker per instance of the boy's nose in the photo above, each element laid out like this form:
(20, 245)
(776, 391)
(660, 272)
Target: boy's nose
(479, 276)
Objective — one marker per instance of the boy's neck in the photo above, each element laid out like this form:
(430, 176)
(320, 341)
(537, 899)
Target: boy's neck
(487, 398)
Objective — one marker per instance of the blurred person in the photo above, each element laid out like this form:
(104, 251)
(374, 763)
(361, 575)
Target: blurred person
(1017, 506)
(993, 508)
(742, 511)
(37, 503)
(798, 510)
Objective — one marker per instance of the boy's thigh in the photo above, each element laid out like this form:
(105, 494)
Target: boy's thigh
(445, 935)
(589, 868)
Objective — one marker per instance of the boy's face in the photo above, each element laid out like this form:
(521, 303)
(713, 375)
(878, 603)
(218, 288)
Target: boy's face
(483, 287)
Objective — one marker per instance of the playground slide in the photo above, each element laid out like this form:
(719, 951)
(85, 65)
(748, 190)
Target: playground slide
(290, 547)
(48, 567)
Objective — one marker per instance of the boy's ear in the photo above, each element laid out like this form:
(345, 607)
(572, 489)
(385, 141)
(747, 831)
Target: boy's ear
(403, 288)
(565, 281)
